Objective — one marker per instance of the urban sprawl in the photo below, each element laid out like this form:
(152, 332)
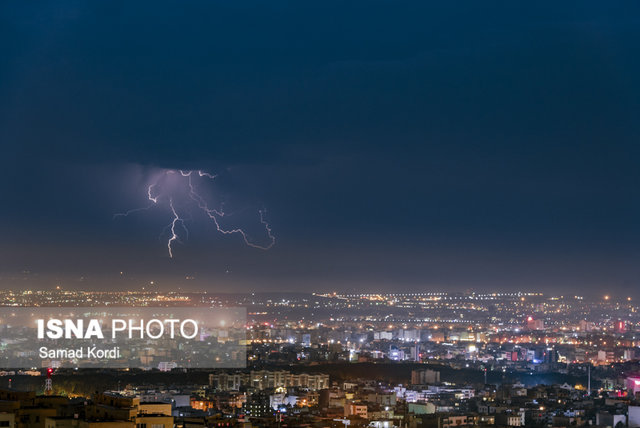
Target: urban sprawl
(430, 359)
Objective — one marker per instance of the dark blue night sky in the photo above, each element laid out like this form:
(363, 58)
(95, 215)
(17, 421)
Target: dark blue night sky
(394, 145)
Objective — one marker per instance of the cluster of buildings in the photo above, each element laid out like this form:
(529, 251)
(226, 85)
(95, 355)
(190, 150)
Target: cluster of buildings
(498, 328)
(103, 410)
(264, 379)
(255, 398)
(464, 357)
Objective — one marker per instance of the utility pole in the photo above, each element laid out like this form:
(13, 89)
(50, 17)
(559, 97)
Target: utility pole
(48, 384)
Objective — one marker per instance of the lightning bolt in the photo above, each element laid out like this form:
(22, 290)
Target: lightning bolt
(156, 197)
(150, 196)
(153, 199)
(214, 214)
(174, 235)
(135, 210)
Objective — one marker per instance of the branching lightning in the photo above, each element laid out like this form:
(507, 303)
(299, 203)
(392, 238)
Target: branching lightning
(159, 196)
